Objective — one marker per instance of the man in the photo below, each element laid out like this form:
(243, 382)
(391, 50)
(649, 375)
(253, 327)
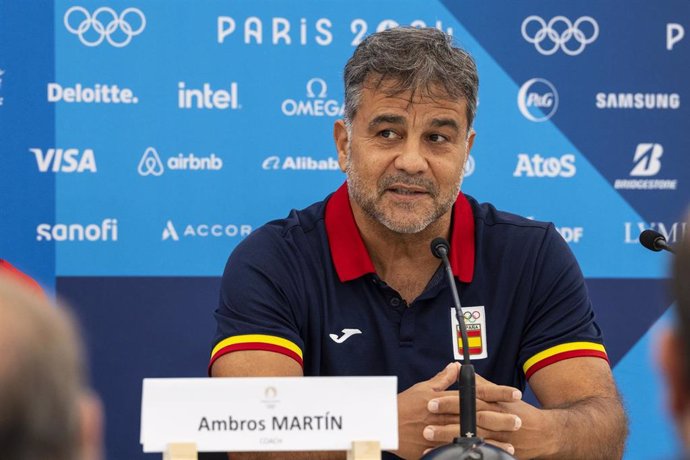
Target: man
(674, 346)
(349, 286)
(46, 411)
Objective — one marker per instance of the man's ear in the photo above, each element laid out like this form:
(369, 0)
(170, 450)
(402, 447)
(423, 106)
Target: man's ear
(671, 357)
(469, 142)
(91, 426)
(341, 143)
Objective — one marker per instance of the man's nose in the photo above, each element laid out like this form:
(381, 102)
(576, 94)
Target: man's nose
(411, 158)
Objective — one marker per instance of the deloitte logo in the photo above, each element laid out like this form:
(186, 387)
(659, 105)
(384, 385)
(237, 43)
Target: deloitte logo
(300, 164)
(647, 163)
(316, 104)
(151, 164)
(98, 94)
(537, 100)
(538, 166)
(204, 230)
(105, 231)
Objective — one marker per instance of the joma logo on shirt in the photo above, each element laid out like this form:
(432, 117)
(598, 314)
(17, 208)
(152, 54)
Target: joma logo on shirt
(347, 333)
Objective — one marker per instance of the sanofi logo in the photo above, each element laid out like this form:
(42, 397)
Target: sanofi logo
(150, 163)
(538, 166)
(105, 231)
(537, 99)
(64, 160)
(316, 104)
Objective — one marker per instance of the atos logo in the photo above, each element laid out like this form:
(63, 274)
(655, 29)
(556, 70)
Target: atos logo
(204, 230)
(208, 98)
(673, 233)
(647, 163)
(151, 164)
(316, 104)
(64, 160)
(105, 231)
(538, 166)
(537, 100)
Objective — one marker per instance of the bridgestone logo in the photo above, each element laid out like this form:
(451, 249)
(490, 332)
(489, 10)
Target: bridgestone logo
(645, 184)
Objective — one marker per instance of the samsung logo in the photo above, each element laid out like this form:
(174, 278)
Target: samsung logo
(640, 101)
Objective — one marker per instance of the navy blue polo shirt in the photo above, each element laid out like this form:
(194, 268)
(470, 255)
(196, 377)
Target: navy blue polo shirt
(305, 286)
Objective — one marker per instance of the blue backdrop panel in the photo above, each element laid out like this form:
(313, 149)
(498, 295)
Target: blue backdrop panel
(27, 195)
(135, 160)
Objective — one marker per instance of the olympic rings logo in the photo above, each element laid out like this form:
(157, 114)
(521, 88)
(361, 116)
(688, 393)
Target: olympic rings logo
(105, 22)
(471, 317)
(571, 33)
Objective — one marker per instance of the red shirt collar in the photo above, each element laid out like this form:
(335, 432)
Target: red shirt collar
(351, 258)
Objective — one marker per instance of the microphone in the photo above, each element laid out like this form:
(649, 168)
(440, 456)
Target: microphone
(655, 241)
(467, 445)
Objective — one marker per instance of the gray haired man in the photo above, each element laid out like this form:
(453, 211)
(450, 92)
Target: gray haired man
(360, 261)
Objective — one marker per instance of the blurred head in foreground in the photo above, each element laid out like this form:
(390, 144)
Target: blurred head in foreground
(674, 349)
(46, 409)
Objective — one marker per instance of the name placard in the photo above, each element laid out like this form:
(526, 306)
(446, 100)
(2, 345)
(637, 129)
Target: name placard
(269, 413)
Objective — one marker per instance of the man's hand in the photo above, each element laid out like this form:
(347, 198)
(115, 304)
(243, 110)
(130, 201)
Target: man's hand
(581, 419)
(413, 415)
(495, 423)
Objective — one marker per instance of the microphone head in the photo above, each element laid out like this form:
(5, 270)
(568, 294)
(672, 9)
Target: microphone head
(650, 238)
(439, 247)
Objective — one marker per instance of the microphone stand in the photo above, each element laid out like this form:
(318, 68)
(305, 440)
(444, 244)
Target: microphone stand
(468, 445)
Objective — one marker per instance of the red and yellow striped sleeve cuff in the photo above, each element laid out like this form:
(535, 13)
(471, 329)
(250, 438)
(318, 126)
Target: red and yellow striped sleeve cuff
(561, 352)
(257, 342)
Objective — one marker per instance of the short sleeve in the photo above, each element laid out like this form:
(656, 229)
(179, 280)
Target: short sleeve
(258, 295)
(560, 323)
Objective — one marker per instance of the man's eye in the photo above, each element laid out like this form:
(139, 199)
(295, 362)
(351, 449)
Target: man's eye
(438, 138)
(389, 134)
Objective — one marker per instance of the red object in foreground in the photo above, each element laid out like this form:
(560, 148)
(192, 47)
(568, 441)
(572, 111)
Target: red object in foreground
(9, 270)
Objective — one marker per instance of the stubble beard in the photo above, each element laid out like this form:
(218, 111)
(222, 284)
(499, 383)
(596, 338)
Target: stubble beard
(418, 220)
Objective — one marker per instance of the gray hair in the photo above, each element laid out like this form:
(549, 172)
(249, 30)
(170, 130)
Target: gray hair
(41, 377)
(413, 59)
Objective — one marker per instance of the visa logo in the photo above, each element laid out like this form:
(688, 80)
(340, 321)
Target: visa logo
(65, 160)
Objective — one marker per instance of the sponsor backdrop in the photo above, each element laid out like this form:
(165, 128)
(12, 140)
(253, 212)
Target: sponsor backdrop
(142, 142)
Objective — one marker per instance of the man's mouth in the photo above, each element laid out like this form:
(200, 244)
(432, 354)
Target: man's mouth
(407, 191)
